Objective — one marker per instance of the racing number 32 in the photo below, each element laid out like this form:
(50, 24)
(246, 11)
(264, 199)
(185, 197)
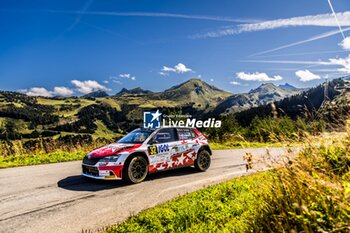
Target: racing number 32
(153, 150)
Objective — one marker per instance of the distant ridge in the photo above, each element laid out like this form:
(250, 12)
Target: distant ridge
(134, 91)
(264, 94)
(193, 92)
(287, 86)
(96, 94)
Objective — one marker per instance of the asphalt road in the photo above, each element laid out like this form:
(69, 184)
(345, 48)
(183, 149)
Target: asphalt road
(56, 198)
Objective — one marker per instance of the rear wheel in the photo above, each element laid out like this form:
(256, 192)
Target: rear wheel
(135, 170)
(202, 163)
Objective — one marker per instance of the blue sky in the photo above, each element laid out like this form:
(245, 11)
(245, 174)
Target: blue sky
(73, 47)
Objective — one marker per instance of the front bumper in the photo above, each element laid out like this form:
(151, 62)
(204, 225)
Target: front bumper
(102, 173)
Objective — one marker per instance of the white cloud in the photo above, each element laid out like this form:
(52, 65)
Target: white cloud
(163, 73)
(38, 91)
(117, 81)
(235, 83)
(166, 69)
(321, 20)
(179, 68)
(344, 62)
(257, 76)
(41, 91)
(22, 90)
(88, 86)
(62, 91)
(105, 81)
(345, 44)
(211, 80)
(306, 75)
(127, 76)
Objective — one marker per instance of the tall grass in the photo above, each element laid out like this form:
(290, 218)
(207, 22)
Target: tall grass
(41, 158)
(307, 192)
(48, 145)
(46, 150)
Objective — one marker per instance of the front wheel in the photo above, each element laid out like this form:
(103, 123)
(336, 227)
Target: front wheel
(202, 163)
(136, 170)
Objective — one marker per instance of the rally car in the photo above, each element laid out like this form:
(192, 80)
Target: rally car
(145, 151)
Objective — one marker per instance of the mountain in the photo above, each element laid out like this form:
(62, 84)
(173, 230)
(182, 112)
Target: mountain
(308, 103)
(96, 94)
(287, 86)
(134, 91)
(264, 94)
(195, 91)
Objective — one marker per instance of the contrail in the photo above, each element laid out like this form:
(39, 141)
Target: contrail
(78, 18)
(336, 18)
(300, 54)
(291, 62)
(76, 21)
(317, 37)
(139, 14)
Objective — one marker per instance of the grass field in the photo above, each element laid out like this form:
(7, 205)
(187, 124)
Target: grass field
(42, 158)
(306, 193)
(241, 144)
(226, 207)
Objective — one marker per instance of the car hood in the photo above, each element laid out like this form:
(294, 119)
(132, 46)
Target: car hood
(113, 149)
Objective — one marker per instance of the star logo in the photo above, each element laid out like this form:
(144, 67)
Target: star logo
(161, 167)
(151, 119)
(169, 164)
(156, 115)
(193, 155)
(181, 159)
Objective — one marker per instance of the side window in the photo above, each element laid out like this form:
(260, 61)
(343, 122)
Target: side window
(165, 135)
(185, 134)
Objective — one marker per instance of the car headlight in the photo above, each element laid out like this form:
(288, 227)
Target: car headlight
(107, 159)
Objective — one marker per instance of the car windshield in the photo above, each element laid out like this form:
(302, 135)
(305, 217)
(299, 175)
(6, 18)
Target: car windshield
(137, 136)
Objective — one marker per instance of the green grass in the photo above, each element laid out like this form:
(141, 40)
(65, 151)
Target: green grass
(226, 207)
(42, 158)
(238, 145)
(308, 192)
(103, 132)
(110, 101)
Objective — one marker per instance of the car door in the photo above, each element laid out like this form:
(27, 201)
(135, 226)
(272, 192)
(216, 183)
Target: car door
(161, 147)
(187, 147)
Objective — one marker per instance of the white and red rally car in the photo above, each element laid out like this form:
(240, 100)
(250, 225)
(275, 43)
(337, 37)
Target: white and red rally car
(145, 151)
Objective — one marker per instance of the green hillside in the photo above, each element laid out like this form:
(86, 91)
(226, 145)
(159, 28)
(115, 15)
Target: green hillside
(29, 124)
(25, 117)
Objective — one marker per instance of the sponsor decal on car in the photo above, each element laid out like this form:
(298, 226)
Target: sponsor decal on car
(157, 149)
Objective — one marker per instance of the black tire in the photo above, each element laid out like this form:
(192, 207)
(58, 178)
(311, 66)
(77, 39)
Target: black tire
(202, 163)
(135, 170)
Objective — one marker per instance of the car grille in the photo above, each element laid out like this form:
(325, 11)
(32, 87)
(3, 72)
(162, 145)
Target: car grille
(90, 170)
(91, 161)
